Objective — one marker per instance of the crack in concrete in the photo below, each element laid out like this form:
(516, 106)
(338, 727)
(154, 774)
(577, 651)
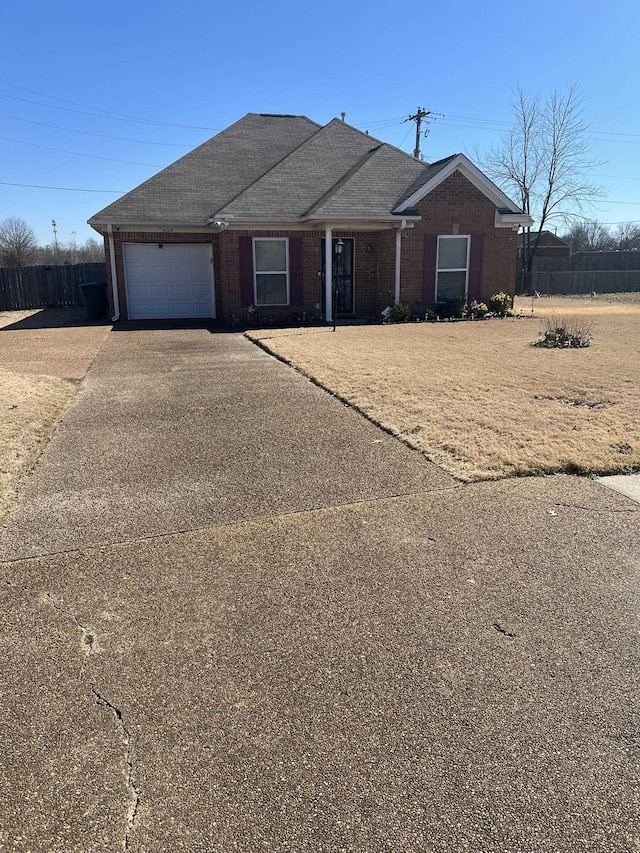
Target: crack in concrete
(593, 508)
(89, 640)
(132, 812)
(502, 630)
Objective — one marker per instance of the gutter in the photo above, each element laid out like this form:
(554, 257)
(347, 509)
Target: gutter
(114, 275)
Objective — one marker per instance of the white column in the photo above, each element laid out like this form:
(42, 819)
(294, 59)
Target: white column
(398, 253)
(328, 274)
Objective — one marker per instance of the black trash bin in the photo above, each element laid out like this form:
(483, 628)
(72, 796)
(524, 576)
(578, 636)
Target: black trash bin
(94, 299)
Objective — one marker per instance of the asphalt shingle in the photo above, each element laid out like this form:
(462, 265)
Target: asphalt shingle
(196, 186)
(289, 189)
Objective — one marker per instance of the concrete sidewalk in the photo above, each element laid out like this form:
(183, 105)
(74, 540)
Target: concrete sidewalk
(331, 668)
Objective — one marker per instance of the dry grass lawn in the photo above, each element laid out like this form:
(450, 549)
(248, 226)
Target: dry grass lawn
(478, 399)
(32, 400)
(31, 407)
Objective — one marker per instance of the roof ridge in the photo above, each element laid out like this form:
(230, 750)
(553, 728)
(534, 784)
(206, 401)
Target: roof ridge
(171, 165)
(348, 175)
(395, 147)
(291, 153)
(192, 152)
(275, 165)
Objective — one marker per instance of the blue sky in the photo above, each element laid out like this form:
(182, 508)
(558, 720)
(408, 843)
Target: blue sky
(172, 73)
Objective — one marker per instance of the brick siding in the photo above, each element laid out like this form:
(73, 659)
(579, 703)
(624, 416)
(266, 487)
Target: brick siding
(456, 200)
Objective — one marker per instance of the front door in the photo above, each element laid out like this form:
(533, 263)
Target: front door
(342, 275)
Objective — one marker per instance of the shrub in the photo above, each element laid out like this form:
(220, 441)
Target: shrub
(477, 310)
(500, 303)
(452, 309)
(429, 315)
(399, 313)
(565, 332)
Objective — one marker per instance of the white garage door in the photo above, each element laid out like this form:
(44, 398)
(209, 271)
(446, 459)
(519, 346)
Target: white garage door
(173, 281)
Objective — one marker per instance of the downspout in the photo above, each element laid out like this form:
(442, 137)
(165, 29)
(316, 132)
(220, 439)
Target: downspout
(399, 231)
(114, 275)
(328, 274)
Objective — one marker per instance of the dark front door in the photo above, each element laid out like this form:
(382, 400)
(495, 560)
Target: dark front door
(342, 275)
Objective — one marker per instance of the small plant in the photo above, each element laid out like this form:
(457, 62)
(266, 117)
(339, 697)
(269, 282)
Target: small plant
(452, 309)
(565, 332)
(399, 313)
(500, 303)
(429, 315)
(477, 310)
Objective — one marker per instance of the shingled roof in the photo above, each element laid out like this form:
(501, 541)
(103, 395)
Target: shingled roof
(194, 187)
(278, 168)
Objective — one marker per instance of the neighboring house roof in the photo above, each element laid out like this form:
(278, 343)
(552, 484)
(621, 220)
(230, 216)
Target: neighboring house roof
(288, 168)
(546, 238)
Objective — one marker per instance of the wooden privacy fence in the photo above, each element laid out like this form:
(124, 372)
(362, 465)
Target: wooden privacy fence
(585, 281)
(584, 272)
(46, 286)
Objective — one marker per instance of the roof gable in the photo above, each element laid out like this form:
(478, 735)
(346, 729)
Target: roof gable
(195, 186)
(471, 173)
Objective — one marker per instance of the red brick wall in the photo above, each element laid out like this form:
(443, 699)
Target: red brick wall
(456, 200)
(374, 267)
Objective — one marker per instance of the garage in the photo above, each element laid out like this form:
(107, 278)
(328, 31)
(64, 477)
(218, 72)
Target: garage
(169, 280)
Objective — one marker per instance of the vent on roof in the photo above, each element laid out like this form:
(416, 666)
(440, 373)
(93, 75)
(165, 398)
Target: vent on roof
(277, 115)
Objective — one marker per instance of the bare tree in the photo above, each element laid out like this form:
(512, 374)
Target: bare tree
(18, 242)
(543, 161)
(589, 235)
(91, 251)
(627, 236)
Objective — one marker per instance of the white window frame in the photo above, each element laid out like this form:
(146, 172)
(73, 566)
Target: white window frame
(466, 237)
(257, 272)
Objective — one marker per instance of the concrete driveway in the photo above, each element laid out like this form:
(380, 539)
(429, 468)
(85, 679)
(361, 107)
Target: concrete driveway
(236, 616)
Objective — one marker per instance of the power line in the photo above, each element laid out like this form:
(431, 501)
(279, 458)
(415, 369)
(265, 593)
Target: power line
(78, 153)
(494, 124)
(112, 118)
(610, 201)
(89, 133)
(618, 177)
(62, 100)
(67, 189)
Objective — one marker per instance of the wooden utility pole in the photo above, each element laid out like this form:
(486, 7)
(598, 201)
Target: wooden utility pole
(419, 117)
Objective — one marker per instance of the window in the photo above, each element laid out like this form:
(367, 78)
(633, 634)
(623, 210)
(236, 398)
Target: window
(452, 268)
(271, 273)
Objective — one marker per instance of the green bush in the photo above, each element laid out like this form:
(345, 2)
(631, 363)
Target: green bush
(500, 303)
(452, 309)
(399, 313)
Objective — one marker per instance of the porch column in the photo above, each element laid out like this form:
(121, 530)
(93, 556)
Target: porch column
(398, 253)
(328, 274)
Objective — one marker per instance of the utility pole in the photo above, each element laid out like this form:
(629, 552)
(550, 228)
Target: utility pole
(420, 115)
(55, 237)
